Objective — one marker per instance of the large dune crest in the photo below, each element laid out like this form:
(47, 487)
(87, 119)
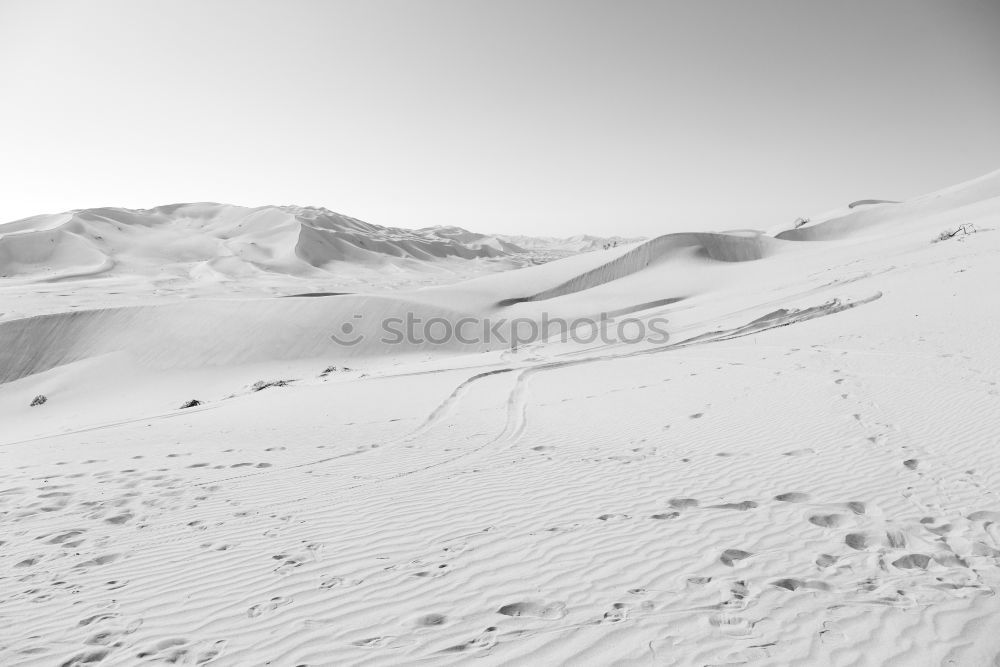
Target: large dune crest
(724, 247)
(233, 240)
(674, 273)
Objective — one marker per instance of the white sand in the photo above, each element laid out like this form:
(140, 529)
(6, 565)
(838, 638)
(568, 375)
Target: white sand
(102, 257)
(808, 473)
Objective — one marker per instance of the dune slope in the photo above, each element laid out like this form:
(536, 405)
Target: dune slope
(802, 473)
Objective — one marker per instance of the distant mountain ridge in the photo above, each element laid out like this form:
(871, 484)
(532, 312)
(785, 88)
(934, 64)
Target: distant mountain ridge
(237, 241)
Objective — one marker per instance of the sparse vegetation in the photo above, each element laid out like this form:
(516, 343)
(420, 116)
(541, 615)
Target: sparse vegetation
(193, 403)
(800, 222)
(334, 369)
(39, 400)
(960, 231)
(260, 385)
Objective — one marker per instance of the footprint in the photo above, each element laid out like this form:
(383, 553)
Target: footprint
(739, 590)
(62, 537)
(440, 572)
(855, 506)
(86, 658)
(287, 567)
(549, 611)
(827, 520)
(858, 541)
(912, 562)
(271, 605)
(788, 584)
(617, 614)
(170, 648)
(896, 539)
(431, 620)
(373, 642)
(740, 507)
(484, 642)
(96, 618)
(102, 638)
(336, 582)
(665, 516)
(682, 503)
(792, 497)
(100, 560)
(210, 654)
(730, 556)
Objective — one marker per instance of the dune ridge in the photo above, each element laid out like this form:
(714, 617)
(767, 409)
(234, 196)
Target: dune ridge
(238, 241)
(217, 333)
(723, 247)
(235, 240)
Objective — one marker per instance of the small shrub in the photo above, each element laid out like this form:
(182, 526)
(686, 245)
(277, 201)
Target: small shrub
(39, 400)
(962, 230)
(193, 403)
(260, 385)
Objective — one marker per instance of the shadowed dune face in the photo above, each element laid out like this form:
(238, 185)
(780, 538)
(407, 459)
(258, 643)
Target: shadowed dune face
(217, 333)
(724, 247)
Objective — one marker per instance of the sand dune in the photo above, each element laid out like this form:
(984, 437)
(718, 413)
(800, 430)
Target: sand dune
(237, 241)
(98, 258)
(219, 333)
(232, 239)
(727, 247)
(868, 218)
(212, 333)
(803, 474)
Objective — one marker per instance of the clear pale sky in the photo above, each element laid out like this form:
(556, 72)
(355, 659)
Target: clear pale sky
(535, 116)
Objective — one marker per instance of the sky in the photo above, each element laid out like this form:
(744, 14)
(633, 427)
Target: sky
(543, 117)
